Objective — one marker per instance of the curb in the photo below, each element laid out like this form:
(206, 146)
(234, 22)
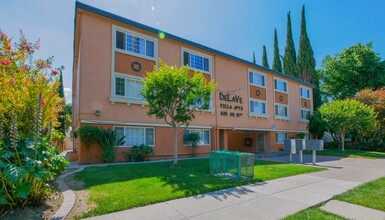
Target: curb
(69, 197)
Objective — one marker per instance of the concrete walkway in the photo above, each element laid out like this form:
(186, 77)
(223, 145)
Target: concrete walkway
(273, 199)
(352, 211)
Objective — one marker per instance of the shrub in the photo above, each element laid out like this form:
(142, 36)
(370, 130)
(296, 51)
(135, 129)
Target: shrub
(88, 135)
(26, 168)
(108, 142)
(140, 153)
(193, 138)
(29, 106)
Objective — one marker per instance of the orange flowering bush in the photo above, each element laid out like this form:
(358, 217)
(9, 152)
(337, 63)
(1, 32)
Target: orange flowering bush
(22, 81)
(375, 99)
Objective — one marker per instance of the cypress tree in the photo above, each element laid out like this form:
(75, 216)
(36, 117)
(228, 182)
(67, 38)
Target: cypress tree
(306, 62)
(277, 65)
(265, 62)
(254, 58)
(290, 57)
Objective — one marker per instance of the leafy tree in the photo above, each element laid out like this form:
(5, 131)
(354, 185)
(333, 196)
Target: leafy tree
(265, 62)
(375, 99)
(254, 61)
(172, 95)
(354, 69)
(316, 125)
(277, 65)
(346, 116)
(290, 57)
(67, 108)
(89, 135)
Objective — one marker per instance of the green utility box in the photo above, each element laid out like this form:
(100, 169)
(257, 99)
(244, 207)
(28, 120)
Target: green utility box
(232, 164)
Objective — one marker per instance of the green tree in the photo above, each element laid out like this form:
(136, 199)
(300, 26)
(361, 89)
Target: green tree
(62, 115)
(316, 125)
(254, 61)
(352, 70)
(306, 61)
(277, 65)
(375, 99)
(290, 57)
(172, 95)
(347, 116)
(265, 62)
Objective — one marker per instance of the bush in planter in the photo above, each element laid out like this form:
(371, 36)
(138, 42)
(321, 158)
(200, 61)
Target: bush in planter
(140, 153)
(88, 135)
(108, 142)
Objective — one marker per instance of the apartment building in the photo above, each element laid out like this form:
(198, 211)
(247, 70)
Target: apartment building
(253, 109)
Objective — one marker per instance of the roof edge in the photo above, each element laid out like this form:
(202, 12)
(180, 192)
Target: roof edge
(118, 18)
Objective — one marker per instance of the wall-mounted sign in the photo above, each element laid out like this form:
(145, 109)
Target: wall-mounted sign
(280, 98)
(230, 103)
(136, 66)
(257, 92)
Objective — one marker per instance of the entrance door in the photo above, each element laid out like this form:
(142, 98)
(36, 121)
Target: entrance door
(221, 140)
(260, 142)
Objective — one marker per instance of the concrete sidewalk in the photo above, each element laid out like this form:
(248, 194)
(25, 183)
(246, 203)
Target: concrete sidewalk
(273, 199)
(352, 211)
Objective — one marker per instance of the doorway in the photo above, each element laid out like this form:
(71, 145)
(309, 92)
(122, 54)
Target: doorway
(261, 143)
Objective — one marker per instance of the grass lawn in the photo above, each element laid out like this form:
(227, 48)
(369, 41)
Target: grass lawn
(350, 153)
(121, 187)
(371, 195)
(313, 214)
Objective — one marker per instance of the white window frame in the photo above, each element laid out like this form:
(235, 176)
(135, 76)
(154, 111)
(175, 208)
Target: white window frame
(199, 144)
(124, 127)
(276, 137)
(282, 80)
(280, 116)
(135, 34)
(183, 49)
(305, 109)
(256, 73)
(300, 94)
(129, 100)
(258, 114)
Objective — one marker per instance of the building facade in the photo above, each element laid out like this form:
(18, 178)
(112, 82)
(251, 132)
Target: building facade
(253, 109)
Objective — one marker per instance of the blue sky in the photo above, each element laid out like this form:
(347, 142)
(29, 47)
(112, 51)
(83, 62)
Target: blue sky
(237, 27)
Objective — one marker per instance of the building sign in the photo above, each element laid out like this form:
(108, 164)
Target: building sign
(230, 105)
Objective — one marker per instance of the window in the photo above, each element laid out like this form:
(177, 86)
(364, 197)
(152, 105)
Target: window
(136, 135)
(196, 61)
(256, 79)
(135, 44)
(280, 85)
(200, 105)
(128, 87)
(281, 111)
(280, 137)
(305, 93)
(203, 134)
(305, 114)
(257, 107)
